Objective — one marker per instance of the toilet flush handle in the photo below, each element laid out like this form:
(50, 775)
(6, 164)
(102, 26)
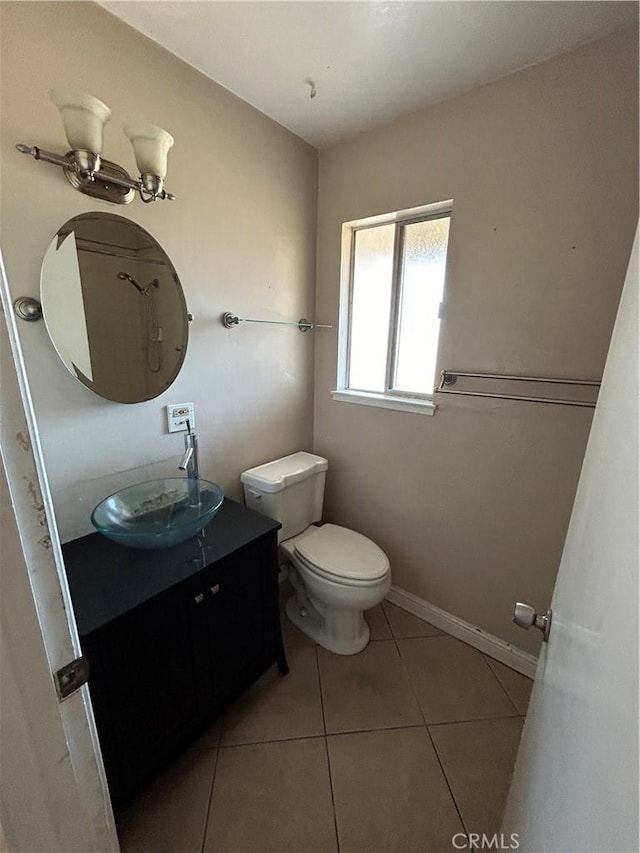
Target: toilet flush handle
(254, 494)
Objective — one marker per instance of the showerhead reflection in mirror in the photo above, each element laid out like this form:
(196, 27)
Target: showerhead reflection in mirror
(124, 276)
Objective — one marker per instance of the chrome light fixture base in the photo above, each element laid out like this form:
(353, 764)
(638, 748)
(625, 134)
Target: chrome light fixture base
(99, 184)
(99, 178)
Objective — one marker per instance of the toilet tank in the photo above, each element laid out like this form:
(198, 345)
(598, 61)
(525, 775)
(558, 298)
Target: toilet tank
(290, 489)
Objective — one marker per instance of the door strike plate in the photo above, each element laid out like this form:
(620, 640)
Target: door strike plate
(71, 677)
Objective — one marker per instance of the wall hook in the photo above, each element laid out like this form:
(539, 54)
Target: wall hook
(27, 308)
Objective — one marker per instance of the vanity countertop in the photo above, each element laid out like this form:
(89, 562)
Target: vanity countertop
(107, 580)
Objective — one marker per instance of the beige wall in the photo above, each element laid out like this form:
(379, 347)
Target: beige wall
(241, 236)
(472, 505)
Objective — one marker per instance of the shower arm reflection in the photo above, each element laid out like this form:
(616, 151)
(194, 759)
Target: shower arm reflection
(153, 332)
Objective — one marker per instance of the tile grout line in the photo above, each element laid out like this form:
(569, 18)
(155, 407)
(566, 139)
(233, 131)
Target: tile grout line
(333, 801)
(386, 618)
(487, 664)
(377, 729)
(210, 800)
(406, 671)
(446, 781)
(427, 727)
(271, 740)
(439, 632)
(431, 741)
(453, 722)
(326, 748)
(504, 689)
(340, 732)
(473, 720)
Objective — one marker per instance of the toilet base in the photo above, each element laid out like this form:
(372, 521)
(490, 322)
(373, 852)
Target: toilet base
(343, 632)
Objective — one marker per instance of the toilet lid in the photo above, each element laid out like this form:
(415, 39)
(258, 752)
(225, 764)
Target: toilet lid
(343, 553)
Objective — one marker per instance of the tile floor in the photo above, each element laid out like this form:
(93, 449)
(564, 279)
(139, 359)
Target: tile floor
(394, 749)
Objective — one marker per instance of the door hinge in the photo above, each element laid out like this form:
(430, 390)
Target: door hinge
(71, 677)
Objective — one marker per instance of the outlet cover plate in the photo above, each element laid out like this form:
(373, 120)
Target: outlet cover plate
(177, 416)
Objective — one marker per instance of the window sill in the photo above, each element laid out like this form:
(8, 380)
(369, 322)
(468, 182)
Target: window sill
(384, 401)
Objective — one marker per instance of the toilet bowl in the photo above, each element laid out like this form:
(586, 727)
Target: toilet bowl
(336, 575)
(335, 572)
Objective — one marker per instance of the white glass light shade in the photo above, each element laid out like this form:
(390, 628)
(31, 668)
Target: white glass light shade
(151, 145)
(84, 118)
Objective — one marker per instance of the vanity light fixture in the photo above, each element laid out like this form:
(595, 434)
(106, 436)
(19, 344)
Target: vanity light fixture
(84, 118)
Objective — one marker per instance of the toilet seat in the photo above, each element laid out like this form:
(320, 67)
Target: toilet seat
(333, 579)
(342, 556)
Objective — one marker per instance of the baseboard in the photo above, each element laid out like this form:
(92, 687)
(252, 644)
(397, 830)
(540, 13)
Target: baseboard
(488, 644)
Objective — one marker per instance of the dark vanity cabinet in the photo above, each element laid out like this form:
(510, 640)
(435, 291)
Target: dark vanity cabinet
(173, 635)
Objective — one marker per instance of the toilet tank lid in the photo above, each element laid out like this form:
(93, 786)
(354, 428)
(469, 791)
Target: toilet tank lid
(275, 476)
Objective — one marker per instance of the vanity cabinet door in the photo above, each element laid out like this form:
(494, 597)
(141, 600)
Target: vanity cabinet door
(146, 684)
(162, 671)
(240, 628)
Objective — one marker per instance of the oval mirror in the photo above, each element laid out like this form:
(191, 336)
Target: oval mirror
(114, 307)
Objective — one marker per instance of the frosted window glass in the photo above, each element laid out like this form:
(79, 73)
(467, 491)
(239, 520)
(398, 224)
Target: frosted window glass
(424, 259)
(371, 307)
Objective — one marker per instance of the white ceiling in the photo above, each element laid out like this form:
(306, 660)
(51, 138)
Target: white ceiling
(370, 60)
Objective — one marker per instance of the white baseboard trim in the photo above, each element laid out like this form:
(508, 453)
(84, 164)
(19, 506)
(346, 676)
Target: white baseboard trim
(488, 644)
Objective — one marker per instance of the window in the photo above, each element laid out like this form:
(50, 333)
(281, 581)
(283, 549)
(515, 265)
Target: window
(392, 291)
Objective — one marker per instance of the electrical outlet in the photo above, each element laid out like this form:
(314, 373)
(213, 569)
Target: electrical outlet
(177, 416)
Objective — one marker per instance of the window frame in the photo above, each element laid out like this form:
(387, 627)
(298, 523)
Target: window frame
(391, 398)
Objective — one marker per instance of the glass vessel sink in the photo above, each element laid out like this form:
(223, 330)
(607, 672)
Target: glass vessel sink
(158, 513)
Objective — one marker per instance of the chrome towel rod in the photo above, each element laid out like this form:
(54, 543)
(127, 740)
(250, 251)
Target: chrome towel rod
(450, 377)
(230, 320)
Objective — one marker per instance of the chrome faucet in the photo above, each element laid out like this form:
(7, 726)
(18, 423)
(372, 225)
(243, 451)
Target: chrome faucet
(189, 463)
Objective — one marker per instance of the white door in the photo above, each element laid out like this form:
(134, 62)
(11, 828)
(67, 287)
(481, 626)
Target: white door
(54, 795)
(575, 786)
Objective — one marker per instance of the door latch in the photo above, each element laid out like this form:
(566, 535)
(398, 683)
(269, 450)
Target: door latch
(526, 617)
(71, 677)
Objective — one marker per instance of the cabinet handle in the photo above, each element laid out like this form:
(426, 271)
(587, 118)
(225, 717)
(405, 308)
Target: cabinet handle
(199, 598)
(215, 589)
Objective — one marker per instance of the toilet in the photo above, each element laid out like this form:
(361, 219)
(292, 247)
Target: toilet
(335, 572)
